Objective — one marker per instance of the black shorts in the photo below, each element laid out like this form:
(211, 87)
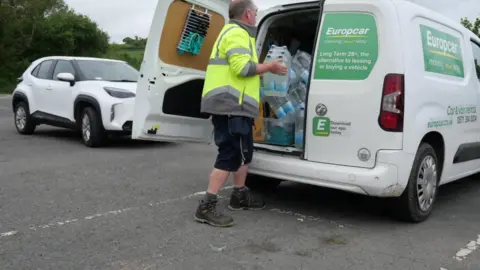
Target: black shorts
(233, 150)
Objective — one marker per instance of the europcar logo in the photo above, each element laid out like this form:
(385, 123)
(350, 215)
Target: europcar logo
(442, 46)
(347, 32)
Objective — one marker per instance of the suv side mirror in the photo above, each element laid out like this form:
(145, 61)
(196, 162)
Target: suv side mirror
(66, 77)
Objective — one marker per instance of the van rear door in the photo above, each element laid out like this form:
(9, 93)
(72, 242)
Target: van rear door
(167, 103)
(357, 47)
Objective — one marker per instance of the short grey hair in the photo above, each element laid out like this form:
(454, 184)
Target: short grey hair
(239, 7)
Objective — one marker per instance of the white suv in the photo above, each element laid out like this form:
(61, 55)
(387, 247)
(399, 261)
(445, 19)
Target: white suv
(93, 95)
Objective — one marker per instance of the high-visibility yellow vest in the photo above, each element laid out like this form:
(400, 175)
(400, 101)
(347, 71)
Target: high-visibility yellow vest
(232, 86)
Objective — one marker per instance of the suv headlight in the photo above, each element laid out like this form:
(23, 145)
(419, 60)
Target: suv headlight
(118, 92)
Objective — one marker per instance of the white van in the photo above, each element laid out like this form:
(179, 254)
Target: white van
(391, 108)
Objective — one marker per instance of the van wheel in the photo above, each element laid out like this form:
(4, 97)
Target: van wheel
(259, 183)
(93, 134)
(418, 199)
(23, 120)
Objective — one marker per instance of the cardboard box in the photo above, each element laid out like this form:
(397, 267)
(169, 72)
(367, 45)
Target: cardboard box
(259, 128)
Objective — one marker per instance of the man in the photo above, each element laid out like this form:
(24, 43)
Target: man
(232, 95)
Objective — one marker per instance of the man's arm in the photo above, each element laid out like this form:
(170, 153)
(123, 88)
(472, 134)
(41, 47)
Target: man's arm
(237, 47)
(264, 68)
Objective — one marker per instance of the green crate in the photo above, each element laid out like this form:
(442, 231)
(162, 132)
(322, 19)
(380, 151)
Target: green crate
(279, 132)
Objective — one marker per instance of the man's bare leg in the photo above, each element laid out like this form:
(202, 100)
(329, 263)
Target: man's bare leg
(217, 180)
(240, 176)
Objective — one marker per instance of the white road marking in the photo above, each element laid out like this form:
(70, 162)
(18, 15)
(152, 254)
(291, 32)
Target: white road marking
(218, 249)
(115, 212)
(302, 218)
(10, 233)
(468, 249)
(5, 96)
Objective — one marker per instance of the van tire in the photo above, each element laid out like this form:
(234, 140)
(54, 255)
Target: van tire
(259, 183)
(91, 128)
(408, 205)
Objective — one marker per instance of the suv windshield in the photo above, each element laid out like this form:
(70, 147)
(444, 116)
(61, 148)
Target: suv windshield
(108, 71)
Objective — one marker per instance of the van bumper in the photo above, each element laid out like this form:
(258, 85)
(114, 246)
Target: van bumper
(384, 180)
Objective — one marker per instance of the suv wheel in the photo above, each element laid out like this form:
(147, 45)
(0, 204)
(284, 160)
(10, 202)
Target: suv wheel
(93, 134)
(23, 120)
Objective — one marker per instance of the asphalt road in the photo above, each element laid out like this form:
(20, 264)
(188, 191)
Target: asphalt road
(130, 206)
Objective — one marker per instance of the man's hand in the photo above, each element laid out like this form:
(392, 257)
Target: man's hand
(278, 67)
(275, 67)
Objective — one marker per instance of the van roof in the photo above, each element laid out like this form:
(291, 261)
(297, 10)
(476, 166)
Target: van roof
(294, 4)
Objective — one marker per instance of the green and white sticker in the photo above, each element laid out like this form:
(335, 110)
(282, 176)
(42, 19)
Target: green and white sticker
(325, 127)
(442, 52)
(348, 47)
(321, 126)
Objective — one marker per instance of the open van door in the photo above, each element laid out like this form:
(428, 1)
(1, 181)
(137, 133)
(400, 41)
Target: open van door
(167, 105)
(355, 99)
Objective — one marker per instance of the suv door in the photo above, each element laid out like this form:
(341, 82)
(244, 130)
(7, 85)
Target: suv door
(167, 104)
(62, 92)
(41, 86)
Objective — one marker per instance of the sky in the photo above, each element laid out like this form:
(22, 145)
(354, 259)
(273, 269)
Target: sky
(122, 18)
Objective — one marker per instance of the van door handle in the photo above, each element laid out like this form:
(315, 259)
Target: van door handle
(49, 88)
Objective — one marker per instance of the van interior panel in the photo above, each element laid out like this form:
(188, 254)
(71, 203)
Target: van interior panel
(185, 100)
(284, 28)
(172, 32)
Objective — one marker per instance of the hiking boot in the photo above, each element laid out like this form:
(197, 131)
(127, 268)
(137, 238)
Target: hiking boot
(207, 213)
(244, 199)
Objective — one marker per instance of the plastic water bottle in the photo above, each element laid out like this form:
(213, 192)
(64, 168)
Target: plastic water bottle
(281, 82)
(292, 77)
(268, 78)
(277, 85)
(297, 93)
(282, 107)
(299, 125)
(301, 64)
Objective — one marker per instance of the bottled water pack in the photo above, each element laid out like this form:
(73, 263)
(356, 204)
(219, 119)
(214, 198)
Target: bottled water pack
(301, 65)
(286, 96)
(277, 85)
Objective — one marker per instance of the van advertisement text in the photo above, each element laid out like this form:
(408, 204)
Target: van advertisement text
(464, 114)
(324, 127)
(348, 47)
(461, 114)
(442, 52)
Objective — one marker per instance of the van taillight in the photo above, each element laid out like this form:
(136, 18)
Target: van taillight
(393, 97)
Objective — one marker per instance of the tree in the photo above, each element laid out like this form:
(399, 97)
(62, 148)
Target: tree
(135, 42)
(70, 34)
(474, 27)
(30, 29)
